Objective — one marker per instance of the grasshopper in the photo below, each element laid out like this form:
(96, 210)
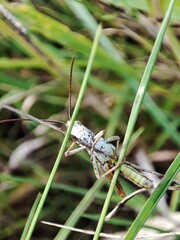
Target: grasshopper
(103, 153)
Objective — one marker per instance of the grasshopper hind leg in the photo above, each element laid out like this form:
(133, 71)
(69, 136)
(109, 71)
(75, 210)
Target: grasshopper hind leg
(100, 171)
(98, 167)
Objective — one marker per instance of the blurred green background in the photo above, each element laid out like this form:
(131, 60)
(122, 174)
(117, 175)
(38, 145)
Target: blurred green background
(34, 77)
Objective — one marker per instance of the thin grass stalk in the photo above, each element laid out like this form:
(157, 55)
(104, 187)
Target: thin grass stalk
(79, 210)
(134, 112)
(61, 152)
(28, 221)
(21, 34)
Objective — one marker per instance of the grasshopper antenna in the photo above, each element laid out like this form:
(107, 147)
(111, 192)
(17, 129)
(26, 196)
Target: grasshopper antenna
(28, 119)
(70, 86)
(46, 122)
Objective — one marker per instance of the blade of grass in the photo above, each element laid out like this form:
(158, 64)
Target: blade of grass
(117, 113)
(91, 24)
(174, 45)
(21, 34)
(33, 209)
(135, 111)
(80, 209)
(154, 198)
(159, 116)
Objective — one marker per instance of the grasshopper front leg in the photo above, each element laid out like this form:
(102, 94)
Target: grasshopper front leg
(71, 152)
(96, 139)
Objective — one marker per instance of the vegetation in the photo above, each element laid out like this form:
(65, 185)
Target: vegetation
(34, 77)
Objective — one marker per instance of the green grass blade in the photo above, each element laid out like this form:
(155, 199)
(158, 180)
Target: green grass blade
(31, 214)
(135, 111)
(80, 209)
(159, 116)
(61, 152)
(91, 24)
(154, 198)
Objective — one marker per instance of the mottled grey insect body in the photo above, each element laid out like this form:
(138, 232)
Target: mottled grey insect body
(81, 134)
(100, 149)
(104, 151)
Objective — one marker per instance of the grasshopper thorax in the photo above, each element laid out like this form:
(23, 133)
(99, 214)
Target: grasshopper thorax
(81, 134)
